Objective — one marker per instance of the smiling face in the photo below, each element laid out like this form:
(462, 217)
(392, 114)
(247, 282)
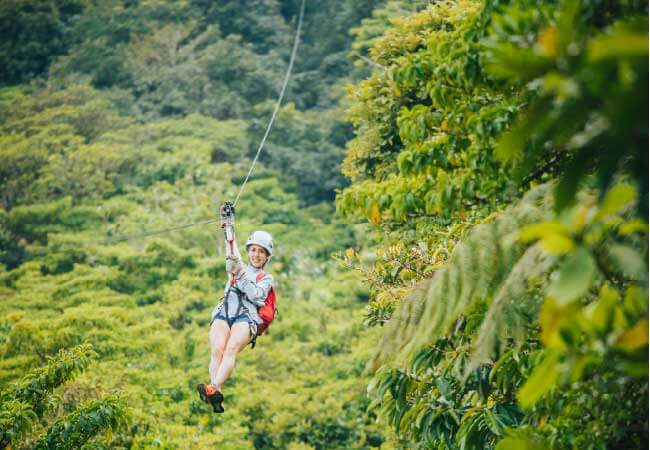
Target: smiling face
(257, 255)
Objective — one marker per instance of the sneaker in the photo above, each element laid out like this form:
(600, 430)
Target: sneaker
(206, 391)
(217, 402)
(210, 395)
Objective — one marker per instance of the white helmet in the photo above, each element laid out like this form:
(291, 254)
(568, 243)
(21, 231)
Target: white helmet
(261, 238)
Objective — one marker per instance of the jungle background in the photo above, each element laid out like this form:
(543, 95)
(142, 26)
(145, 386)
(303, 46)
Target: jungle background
(458, 192)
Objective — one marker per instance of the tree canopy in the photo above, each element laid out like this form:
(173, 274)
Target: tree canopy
(477, 168)
(501, 153)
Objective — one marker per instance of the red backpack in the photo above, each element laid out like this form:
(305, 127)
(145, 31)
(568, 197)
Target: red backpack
(268, 310)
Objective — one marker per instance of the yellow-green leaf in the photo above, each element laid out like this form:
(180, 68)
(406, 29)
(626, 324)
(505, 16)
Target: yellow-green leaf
(616, 199)
(633, 226)
(634, 337)
(557, 244)
(621, 44)
(551, 318)
(600, 315)
(635, 301)
(542, 230)
(375, 214)
(520, 443)
(543, 379)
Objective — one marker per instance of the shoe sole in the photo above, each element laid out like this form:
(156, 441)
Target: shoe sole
(201, 389)
(217, 403)
(217, 408)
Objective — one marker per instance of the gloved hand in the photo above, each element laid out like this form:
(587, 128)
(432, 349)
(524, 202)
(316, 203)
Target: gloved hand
(234, 267)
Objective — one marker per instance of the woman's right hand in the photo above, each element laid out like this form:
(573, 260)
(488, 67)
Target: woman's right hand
(234, 267)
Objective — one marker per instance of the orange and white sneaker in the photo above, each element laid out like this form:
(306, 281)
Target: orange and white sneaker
(212, 396)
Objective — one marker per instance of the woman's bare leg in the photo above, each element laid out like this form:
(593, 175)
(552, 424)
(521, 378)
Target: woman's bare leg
(219, 334)
(240, 336)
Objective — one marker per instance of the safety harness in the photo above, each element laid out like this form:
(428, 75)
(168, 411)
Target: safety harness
(267, 312)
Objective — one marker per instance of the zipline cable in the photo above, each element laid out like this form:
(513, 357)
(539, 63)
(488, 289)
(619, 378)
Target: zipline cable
(126, 237)
(296, 41)
(278, 103)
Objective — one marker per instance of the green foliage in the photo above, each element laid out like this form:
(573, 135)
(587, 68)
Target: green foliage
(161, 262)
(145, 306)
(26, 401)
(47, 150)
(436, 404)
(143, 119)
(426, 123)
(489, 264)
(371, 28)
(39, 383)
(609, 327)
(512, 318)
(447, 331)
(34, 33)
(75, 429)
(495, 294)
(16, 419)
(163, 59)
(581, 51)
(314, 136)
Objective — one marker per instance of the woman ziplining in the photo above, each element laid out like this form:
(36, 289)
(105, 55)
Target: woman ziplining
(245, 311)
(249, 290)
(248, 305)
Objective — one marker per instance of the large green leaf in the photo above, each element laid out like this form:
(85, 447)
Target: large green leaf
(574, 276)
(543, 379)
(520, 443)
(624, 43)
(629, 261)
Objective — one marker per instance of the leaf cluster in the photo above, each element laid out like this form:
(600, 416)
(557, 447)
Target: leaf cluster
(24, 403)
(547, 295)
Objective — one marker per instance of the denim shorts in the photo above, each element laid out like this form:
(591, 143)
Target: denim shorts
(242, 317)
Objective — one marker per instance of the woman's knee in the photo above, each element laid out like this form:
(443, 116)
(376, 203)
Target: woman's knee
(231, 349)
(217, 352)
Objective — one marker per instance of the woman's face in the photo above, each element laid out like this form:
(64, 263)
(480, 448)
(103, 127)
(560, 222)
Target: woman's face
(257, 255)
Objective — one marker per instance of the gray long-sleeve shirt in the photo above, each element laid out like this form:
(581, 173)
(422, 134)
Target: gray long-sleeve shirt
(255, 293)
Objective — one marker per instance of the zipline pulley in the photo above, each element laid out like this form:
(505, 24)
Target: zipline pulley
(227, 213)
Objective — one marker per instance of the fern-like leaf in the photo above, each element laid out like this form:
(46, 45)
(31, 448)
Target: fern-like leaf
(489, 260)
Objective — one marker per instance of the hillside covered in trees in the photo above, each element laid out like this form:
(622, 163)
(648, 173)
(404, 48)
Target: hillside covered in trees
(122, 118)
(458, 192)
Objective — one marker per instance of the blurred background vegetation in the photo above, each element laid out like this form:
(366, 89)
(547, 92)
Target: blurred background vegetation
(479, 169)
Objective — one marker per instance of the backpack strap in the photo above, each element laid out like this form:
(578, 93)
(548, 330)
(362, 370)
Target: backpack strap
(258, 278)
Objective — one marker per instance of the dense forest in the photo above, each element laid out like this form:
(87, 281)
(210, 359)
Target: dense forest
(458, 191)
